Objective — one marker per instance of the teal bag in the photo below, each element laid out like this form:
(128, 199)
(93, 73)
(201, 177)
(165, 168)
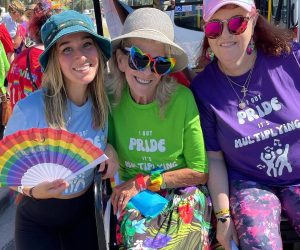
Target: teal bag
(150, 204)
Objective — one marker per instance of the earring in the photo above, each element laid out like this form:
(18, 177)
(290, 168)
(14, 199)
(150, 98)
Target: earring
(210, 55)
(250, 47)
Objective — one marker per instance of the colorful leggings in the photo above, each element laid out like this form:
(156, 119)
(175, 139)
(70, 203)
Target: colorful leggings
(256, 211)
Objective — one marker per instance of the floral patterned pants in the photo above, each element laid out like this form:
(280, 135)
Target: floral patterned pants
(256, 211)
(183, 224)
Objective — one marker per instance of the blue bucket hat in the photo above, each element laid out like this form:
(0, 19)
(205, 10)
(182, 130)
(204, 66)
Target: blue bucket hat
(69, 22)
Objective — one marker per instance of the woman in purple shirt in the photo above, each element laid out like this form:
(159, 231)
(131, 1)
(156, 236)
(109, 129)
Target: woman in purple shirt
(249, 102)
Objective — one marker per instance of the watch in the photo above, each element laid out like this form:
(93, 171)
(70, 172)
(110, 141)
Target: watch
(223, 219)
(20, 189)
(164, 184)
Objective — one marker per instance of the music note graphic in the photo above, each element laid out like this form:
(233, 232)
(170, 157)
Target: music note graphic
(277, 142)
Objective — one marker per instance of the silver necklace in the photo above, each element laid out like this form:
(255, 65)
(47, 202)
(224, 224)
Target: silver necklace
(244, 90)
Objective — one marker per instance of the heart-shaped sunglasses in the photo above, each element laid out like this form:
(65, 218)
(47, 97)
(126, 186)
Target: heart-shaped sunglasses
(138, 60)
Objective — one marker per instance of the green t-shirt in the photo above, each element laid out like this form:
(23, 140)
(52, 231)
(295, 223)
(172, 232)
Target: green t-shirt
(144, 140)
(4, 67)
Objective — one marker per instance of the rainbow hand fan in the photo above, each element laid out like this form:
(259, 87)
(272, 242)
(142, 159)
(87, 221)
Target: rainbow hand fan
(29, 157)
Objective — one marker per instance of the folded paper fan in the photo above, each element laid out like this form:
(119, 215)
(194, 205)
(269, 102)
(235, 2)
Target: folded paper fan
(29, 157)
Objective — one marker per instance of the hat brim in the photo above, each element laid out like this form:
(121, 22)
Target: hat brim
(176, 51)
(103, 43)
(248, 7)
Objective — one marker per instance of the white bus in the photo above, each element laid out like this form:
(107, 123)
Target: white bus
(185, 14)
(187, 18)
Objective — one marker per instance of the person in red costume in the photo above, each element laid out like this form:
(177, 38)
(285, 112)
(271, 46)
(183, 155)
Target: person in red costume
(25, 73)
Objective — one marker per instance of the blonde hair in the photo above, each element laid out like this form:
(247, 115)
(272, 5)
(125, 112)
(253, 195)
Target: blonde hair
(18, 6)
(56, 94)
(116, 84)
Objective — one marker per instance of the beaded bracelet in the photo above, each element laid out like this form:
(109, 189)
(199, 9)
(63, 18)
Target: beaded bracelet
(222, 212)
(156, 179)
(140, 182)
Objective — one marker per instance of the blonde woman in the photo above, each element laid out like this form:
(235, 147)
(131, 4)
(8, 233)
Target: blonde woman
(51, 215)
(16, 10)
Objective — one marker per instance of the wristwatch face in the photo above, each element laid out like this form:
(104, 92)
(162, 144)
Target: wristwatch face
(223, 219)
(20, 189)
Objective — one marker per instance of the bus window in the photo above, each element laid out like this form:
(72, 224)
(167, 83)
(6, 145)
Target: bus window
(185, 15)
(138, 3)
(158, 4)
(188, 14)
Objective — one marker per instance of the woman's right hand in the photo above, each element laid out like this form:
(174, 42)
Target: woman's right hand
(225, 233)
(122, 194)
(46, 190)
(109, 167)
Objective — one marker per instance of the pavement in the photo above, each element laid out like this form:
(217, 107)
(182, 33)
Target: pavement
(7, 228)
(5, 199)
(7, 219)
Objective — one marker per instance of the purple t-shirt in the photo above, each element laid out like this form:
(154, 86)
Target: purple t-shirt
(262, 141)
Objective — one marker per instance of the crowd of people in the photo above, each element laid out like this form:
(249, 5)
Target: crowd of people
(217, 160)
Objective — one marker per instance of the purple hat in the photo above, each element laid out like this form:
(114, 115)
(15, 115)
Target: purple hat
(210, 7)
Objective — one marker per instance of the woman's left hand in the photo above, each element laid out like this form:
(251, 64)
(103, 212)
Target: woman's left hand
(110, 166)
(122, 194)
(47, 190)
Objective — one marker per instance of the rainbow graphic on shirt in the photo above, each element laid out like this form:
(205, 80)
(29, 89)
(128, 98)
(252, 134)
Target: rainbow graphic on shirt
(27, 90)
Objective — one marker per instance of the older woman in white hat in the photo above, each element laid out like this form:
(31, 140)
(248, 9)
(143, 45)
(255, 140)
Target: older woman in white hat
(155, 129)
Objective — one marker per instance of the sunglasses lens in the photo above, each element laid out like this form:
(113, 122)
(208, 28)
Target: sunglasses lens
(213, 29)
(139, 60)
(237, 25)
(163, 65)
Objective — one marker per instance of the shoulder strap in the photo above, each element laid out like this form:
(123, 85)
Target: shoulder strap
(29, 71)
(296, 60)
